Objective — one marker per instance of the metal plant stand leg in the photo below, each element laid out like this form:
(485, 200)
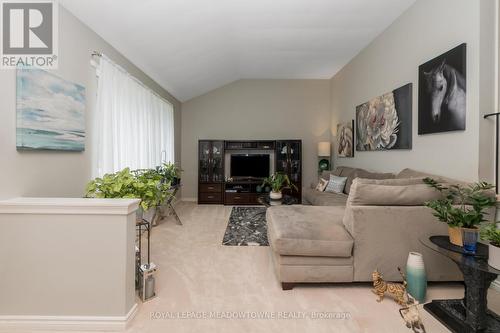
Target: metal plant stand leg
(172, 209)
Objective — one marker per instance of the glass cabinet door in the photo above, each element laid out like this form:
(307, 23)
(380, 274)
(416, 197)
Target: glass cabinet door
(204, 160)
(217, 161)
(282, 157)
(294, 158)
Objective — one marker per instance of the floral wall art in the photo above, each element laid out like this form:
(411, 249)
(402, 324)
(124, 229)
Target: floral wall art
(345, 139)
(384, 122)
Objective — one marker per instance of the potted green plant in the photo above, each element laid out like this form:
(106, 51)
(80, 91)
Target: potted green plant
(491, 234)
(462, 207)
(170, 172)
(278, 181)
(145, 184)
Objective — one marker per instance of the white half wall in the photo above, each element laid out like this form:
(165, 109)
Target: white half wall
(426, 30)
(255, 110)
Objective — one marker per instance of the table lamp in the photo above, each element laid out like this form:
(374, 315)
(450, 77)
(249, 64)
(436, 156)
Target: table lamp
(324, 150)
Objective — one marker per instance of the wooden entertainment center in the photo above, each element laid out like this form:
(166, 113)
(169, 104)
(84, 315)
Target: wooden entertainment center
(215, 186)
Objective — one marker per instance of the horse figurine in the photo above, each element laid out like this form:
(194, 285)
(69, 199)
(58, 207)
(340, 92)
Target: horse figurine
(446, 87)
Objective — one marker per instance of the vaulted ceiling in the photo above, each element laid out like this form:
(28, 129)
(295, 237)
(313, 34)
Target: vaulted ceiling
(193, 46)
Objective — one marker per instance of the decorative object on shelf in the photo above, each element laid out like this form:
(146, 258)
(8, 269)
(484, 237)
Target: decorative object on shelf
(345, 139)
(385, 122)
(321, 185)
(396, 290)
(491, 233)
(411, 315)
(416, 276)
(247, 227)
(50, 112)
(278, 181)
(324, 150)
(460, 206)
(442, 92)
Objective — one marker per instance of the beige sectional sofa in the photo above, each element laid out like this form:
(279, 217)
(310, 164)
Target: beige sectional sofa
(344, 237)
(316, 198)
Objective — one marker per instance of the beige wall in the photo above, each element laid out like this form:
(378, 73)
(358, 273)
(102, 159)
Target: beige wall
(424, 31)
(60, 173)
(257, 109)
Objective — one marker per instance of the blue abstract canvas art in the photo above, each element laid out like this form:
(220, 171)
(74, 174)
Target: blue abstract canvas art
(50, 112)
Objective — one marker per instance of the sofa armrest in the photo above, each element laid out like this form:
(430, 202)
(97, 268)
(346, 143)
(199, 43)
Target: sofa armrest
(384, 235)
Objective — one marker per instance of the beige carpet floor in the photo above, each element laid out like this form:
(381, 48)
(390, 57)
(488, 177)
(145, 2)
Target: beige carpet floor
(199, 277)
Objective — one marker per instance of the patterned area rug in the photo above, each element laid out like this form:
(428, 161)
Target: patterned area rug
(247, 227)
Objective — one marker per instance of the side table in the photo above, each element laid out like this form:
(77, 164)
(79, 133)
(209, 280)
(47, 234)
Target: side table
(471, 313)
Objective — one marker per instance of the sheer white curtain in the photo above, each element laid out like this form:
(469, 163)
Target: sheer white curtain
(133, 127)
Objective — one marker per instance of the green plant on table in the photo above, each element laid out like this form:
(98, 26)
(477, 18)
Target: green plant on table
(491, 234)
(170, 172)
(461, 206)
(278, 181)
(146, 185)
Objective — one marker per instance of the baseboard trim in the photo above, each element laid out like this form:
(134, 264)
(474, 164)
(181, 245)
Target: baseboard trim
(72, 323)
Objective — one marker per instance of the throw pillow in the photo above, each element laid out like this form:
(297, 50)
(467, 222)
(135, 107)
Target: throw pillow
(336, 184)
(321, 184)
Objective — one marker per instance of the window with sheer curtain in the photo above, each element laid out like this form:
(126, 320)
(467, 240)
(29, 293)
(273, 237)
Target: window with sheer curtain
(132, 126)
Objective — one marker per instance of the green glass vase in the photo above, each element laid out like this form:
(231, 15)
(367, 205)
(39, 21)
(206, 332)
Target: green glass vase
(416, 276)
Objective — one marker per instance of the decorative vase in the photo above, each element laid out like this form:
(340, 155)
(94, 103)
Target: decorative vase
(275, 195)
(470, 237)
(455, 234)
(416, 276)
(494, 256)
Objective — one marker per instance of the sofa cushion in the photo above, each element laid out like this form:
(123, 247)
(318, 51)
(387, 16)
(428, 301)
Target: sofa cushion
(326, 173)
(308, 231)
(317, 198)
(353, 173)
(394, 192)
(336, 184)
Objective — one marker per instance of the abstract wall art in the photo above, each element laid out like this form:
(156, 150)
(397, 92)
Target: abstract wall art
(385, 122)
(50, 112)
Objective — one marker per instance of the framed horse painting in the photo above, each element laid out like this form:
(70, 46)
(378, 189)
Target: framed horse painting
(442, 92)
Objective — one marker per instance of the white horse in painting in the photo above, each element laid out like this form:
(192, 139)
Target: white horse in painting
(446, 87)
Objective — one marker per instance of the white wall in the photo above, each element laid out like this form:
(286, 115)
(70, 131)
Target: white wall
(424, 31)
(44, 173)
(257, 109)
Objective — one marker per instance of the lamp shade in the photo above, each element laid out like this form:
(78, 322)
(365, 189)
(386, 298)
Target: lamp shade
(324, 148)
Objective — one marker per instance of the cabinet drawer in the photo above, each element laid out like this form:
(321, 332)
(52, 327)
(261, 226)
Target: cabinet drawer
(212, 188)
(210, 198)
(237, 198)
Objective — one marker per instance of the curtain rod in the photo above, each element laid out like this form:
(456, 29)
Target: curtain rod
(101, 55)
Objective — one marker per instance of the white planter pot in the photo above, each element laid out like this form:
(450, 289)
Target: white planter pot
(494, 256)
(275, 195)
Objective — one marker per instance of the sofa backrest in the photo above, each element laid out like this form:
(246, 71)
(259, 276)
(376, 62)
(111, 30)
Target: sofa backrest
(353, 173)
(391, 192)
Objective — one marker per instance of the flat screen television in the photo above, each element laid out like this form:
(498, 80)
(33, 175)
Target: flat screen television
(250, 165)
